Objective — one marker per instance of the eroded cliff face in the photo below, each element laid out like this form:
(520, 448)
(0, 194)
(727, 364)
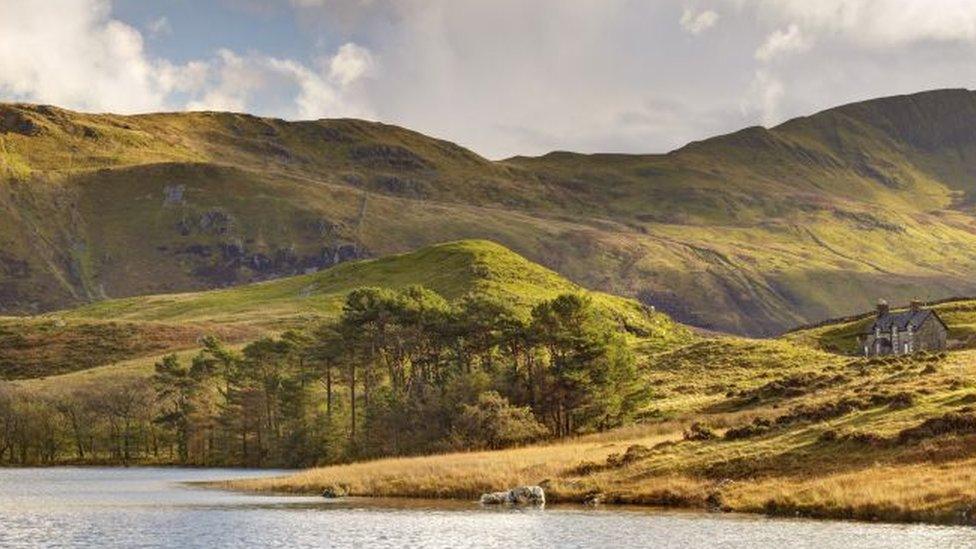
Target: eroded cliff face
(750, 232)
(95, 236)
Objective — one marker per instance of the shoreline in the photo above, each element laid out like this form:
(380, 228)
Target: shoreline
(96, 465)
(378, 480)
(452, 504)
(870, 495)
(567, 504)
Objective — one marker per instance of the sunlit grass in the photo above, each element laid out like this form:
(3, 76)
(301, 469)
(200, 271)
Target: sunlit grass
(790, 469)
(453, 270)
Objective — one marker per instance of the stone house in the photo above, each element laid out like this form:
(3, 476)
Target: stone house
(904, 332)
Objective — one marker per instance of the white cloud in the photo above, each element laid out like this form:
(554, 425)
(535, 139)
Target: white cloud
(696, 23)
(350, 63)
(877, 23)
(282, 87)
(322, 95)
(864, 49)
(502, 76)
(767, 91)
(765, 96)
(72, 53)
(159, 27)
(781, 42)
(511, 77)
(233, 81)
(187, 78)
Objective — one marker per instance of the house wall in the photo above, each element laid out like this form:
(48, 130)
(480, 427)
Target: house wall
(931, 336)
(870, 341)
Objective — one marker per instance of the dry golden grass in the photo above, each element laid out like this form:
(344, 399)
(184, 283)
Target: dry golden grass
(918, 492)
(930, 492)
(862, 471)
(456, 475)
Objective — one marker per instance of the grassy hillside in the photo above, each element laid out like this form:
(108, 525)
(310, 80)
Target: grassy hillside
(115, 330)
(840, 336)
(739, 425)
(752, 232)
(39, 347)
(452, 270)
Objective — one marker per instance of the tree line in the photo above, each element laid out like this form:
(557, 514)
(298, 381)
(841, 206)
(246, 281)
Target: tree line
(398, 373)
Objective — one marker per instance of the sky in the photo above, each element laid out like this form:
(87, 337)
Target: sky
(502, 77)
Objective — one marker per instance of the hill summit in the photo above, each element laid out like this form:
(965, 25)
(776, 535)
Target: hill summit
(111, 331)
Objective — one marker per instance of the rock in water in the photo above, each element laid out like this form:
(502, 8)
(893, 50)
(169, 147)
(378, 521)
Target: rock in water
(495, 498)
(523, 495)
(528, 495)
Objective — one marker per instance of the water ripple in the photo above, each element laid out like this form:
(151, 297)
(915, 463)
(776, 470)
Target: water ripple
(96, 507)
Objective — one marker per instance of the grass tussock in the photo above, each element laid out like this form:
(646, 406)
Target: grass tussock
(921, 492)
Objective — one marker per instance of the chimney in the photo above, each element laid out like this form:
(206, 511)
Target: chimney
(882, 307)
(916, 305)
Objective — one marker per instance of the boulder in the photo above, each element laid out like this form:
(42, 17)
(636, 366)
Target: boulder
(495, 498)
(522, 495)
(528, 495)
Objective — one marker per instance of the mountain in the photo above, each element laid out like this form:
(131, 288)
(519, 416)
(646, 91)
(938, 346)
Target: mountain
(752, 232)
(110, 331)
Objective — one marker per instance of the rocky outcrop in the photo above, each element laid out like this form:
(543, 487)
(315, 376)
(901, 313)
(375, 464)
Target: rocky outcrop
(231, 262)
(215, 222)
(388, 156)
(14, 121)
(399, 186)
(173, 194)
(522, 495)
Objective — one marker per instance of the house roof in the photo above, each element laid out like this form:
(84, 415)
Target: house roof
(903, 319)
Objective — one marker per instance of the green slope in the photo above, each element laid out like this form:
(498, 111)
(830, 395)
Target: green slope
(114, 330)
(453, 270)
(751, 232)
(36, 347)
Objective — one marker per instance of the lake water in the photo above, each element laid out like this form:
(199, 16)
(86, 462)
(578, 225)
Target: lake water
(104, 507)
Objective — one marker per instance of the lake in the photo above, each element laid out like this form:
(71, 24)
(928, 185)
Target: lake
(150, 507)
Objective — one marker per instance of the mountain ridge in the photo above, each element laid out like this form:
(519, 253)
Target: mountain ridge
(751, 232)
